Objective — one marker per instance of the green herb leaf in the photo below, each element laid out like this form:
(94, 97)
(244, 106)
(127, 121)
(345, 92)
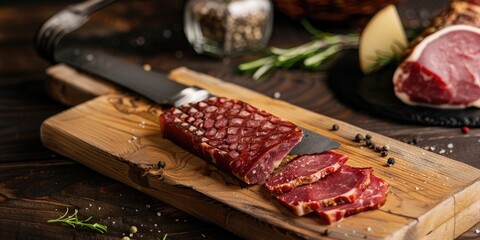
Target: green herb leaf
(73, 221)
(310, 55)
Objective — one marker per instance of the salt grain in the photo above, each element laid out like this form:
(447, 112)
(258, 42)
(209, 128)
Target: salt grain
(442, 151)
(477, 231)
(450, 145)
(277, 95)
(147, 206)
(369, 229)
(417, 188)
(159, 214)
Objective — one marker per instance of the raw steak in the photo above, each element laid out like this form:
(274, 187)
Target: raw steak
(342, 186)
(235, 136)
(441, 68)
(305, 169)
(372, 198)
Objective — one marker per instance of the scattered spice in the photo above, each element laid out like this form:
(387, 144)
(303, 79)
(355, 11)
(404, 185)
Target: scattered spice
(465, 130)
(161, 164)
(125, 238)
(368, 136)
(378, 149)
(368, 142)
(133, 229)
(386, 148)
(358, 137)
(384, 153)
(391, 161)
(335, 127)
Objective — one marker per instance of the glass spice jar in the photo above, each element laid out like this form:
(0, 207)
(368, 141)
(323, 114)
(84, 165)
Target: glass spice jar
(228, 27)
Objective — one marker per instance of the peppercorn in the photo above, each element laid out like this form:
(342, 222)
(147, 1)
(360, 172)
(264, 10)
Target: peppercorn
(161, 164)
(335, 127)
(368, 142)
(125, 238)
(386, 148)
(368, 136)
(391, 161)
(465, 130)
(384, 153)
(377, 148)
(133, 229)
(358, 137)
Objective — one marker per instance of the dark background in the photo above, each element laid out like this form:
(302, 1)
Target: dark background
(36, 184)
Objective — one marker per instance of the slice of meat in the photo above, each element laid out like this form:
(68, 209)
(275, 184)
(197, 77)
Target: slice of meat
(372, 198)
(305, 169)
(342, 186)
(441, 65)
(235, 136)
(443, 70)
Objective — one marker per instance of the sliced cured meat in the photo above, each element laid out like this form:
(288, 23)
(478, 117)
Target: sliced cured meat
(235, 136)
(443, 70)
(305, 169)
(441, 65)
(342, 186)
(372, 198)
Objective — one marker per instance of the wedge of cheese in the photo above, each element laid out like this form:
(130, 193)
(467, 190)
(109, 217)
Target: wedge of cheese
(383, 35)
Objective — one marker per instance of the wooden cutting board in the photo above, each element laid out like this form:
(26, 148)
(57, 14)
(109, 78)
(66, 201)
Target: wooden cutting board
(118, 135)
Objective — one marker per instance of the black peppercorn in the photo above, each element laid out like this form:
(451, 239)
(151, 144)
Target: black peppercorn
(391, 161)
(368, 136)
(358, 137)
(384, 153)
(377, 148)
(368, 142)
(386, 148)
(335, 127)
(161, 164)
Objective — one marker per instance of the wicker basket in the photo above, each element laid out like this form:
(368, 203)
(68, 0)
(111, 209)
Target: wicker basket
(330, 10)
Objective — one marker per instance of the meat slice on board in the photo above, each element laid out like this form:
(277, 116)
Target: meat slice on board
(305, 169)
(441, 68)
(372, 198)
(233, 135)
(342, 186)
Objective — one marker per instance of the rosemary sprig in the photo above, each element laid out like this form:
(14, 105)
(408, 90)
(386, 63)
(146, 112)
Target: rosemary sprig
(310, 55)
(73, 221)
(383, 58)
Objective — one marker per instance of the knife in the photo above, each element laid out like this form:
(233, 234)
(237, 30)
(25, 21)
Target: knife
(157, 87)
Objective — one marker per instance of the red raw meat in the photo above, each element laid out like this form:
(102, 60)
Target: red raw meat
(235, 136)
(443, 70)
(342, 186)
(372, 198)
(305, 169)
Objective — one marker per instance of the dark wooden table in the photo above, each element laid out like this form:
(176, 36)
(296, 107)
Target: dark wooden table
(36, 184)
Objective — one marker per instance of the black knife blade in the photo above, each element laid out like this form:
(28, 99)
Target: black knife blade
(157, 87)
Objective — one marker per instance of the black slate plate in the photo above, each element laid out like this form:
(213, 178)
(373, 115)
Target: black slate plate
(374, 94)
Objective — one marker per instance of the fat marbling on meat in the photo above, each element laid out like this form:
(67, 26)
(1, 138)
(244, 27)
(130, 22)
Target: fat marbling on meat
(342, 186)
(233, 135)
(442, 66)
(372, 198)
(305, 169)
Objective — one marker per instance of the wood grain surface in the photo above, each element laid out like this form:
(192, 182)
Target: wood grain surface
(118, 135)
(37, 184)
